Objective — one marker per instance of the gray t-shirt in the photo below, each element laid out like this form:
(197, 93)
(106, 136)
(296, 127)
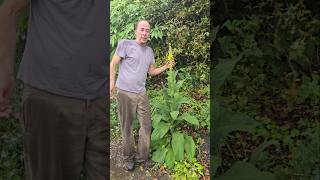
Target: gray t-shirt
(134, 65)
(66, 51)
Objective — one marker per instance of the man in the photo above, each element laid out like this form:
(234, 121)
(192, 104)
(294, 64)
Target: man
(136, 59)
(65, 77)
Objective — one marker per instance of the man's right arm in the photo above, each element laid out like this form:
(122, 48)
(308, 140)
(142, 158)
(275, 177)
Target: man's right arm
(113, 65)
(9, 11)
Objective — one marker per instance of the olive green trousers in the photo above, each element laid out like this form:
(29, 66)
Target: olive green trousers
(132, 106)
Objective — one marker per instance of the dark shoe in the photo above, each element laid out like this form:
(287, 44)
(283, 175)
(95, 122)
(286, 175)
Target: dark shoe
(129, 166)
(145, 163)
(148, 164)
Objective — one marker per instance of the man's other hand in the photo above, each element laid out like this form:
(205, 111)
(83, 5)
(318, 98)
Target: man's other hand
(6, 90)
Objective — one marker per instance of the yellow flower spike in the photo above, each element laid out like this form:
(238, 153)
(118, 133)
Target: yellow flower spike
(170, 57)
(170, 54)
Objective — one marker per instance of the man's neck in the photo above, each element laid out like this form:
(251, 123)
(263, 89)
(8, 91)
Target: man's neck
(141, 44)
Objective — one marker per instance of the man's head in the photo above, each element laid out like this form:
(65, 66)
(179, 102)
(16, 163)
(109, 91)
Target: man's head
(142, 31)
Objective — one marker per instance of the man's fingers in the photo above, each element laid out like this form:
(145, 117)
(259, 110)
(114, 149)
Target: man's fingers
(4, 105)
(4, 115)
(5, 108)
(5, 95)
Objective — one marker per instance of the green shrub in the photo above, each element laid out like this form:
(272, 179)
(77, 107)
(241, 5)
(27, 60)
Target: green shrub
(187, 170)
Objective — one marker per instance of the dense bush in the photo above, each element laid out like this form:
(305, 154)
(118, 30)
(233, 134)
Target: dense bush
(266, 76)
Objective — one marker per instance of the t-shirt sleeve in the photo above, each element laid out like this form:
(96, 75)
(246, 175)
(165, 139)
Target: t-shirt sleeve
(152, 57)
(120, 51)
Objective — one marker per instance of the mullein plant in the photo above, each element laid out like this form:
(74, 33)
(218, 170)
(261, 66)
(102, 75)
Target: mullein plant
(170, 57)
(169, 142)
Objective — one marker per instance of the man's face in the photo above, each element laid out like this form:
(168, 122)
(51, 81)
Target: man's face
(142, 32)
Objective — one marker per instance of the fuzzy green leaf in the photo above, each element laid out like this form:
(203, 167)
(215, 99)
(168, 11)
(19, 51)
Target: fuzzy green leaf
(178, 145)
(189, 118)
(160, 130)
(159, 155)
(189, 147)
(169, 159)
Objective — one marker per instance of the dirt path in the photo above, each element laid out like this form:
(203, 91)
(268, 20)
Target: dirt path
(118, 173)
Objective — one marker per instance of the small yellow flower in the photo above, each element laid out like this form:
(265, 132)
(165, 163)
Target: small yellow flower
(170, 54)
(170, 57)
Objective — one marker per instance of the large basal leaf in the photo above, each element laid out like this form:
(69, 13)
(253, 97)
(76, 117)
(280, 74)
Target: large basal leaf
(159, 155)
(169, 159)
(178, 145)
(246, 171)
(189, 147)
(189, 118)
(160, 131)
(159, 143)
(228, 121)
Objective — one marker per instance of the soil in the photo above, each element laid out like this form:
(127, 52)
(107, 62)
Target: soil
(117, 171)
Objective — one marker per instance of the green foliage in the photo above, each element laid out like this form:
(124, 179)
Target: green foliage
(169, 141)
(114, 121)
(186, 170)
(226, 121)
(11, 158)
(123, 16)
(309, 90)
(113, 113)
(183, 24)
(306, 155)
(266, 66)
(244, 171)
(196, 77)
(259, 155)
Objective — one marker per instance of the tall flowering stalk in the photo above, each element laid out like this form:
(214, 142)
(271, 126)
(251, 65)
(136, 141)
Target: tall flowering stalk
(170, 57)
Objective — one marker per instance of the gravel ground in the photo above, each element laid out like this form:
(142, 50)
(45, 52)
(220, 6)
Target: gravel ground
(118, 173)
